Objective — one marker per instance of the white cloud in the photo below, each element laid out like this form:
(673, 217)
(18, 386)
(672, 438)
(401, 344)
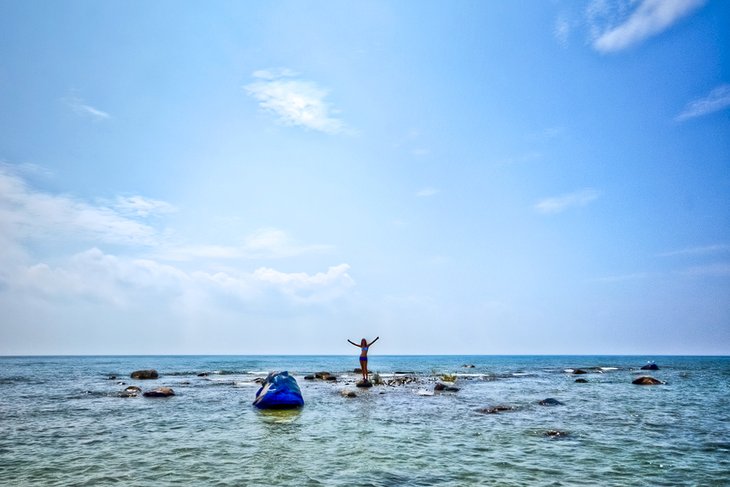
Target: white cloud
(719, 269)
(621, 277)
(629, 25)
(27, 213)
(265, 243)
(82, 109)
(718, 99)
(561, 203)
(294, 101)
(141, 206)
(425, 192)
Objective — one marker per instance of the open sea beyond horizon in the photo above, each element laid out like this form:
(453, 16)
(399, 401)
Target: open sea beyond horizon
(64, 422)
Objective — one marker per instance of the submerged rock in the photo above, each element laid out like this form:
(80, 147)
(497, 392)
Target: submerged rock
(550, 402)
(579, 371)
(468, 366)
(322, 375)
(346, 393)
(280, 391)
(364, 383)
(581, 381)
(160, 392)
(443, 387)
(496, 409)
(647, 381)
(556, 434)
(144, 374)
(650, 366)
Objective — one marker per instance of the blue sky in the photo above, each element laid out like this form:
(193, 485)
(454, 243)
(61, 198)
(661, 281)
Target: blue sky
(455, 177)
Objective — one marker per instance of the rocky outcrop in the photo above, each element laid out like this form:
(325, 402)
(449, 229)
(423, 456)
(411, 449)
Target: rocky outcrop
(647, 381)
(550, 402)
(160, 392)
(144, 374)
(364, 383)
(650, 366)
(579, 371)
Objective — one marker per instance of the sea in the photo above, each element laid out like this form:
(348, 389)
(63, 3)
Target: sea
(64, 421)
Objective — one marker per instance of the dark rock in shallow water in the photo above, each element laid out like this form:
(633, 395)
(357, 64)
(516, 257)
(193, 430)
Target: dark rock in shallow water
(579, 371)
(650, 366)
(495, 409)
(443, 387)
(405, 373)
(323, 375)
(358, 370)
(144, 374)
(309, 377)
(133, 389)
(581, 381)
(647, 381)
(364, 383)
(346, 393)
(468, 366)
(556, 434)
(160, 392)
(280, 391)
(203, 374)
(550, 402)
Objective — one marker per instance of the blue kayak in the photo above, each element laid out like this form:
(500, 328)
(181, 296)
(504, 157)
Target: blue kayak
(280, 391)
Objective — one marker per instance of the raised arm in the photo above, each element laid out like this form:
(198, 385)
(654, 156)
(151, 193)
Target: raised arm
(353, 343)
(376, 339)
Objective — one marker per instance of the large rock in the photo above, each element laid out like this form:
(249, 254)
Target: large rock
(650, 366)
(647, 381)
(579, 371)
(160, 392)
(443, 387)
(280, 391)
(145, 374)
(364, 383)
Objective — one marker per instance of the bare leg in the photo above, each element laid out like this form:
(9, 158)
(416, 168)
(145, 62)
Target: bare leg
(364, 369)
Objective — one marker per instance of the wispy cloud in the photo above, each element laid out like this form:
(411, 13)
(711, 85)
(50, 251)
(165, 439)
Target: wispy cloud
(620, 25)
(561, 203)
(141, 206)
(700, 250)
(294, 101)
(83, 109)
(718, 99)
(265, 243)
(562, 30)
(28, 213)
(719, 269)
(425, 192)
(621, 277)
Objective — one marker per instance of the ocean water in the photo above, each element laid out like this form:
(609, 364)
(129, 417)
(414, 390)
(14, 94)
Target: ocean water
(62, 422)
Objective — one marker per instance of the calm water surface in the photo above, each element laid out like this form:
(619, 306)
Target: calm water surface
(62, 422)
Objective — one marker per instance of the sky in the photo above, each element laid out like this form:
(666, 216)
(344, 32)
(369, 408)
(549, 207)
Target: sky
(456, 177)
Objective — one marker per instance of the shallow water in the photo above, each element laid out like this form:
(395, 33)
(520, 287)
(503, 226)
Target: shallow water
(63, 423)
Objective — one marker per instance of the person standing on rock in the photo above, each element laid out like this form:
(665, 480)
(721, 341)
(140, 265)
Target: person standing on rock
(364, 346)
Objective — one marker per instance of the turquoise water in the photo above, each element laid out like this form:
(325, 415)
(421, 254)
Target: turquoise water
(63, 423)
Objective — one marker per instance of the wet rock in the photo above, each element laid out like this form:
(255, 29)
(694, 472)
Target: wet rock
(443, 387)
(581, 381)
(133, 389)
(364, 383)
(331, 378)
(309, 377)
(468, 366)
(579, 371)
(160, 392)
(405, 373)
(556, 434)
(647, 381)
(399, 381)
(550, 402)
(346, 393)
(358, 370)
(496, 409)
(322, 375)
(144, 374)
(650, 366)
(203, 374)
(112, 377)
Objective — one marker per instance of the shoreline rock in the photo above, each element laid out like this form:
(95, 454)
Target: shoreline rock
(647, 381)
(160, 392)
